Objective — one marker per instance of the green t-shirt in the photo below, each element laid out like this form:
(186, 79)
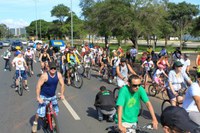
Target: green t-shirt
(130, 103)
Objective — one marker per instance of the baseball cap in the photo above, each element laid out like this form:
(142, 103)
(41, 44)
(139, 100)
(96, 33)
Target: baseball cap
(174, 116)
(52, 65)
(17, 53)
(178, 64)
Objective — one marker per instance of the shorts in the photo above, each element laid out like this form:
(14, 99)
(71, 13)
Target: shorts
(114, 72)
(23, 74)
(133, 59)
(41, 111)
(170, 94)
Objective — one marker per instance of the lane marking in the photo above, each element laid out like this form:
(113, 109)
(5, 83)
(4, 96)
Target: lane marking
(71, 110)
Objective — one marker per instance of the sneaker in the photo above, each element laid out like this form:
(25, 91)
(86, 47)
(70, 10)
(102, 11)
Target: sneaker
(26, 88)
(100, 118)
(34, 127)
(16, 88)
(110, 119)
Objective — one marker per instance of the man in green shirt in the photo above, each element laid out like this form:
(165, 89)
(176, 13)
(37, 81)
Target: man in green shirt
(128, 103)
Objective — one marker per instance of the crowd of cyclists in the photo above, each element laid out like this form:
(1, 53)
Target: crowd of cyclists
(122, 66)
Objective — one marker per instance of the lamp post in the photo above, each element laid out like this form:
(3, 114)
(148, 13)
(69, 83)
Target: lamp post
(72, 42)
(36, 27)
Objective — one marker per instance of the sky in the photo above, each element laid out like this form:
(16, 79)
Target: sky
(20, 13)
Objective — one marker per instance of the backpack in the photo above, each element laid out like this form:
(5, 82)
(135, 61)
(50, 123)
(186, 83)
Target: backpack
(5, 54)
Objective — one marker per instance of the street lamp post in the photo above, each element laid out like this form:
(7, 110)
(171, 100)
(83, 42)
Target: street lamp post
(72, 42)
(36, 27)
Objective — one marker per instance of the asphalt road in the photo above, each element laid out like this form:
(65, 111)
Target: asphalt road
(17, 112)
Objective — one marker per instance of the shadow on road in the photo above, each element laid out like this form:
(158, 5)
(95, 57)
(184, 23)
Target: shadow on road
(91, 112)
(146, 114)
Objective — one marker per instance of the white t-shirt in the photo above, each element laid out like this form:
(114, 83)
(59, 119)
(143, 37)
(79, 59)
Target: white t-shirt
(133, 52)
(29, 54)
(158, 73)
(185, 65)
(19, 63)
(148, 65)
(189, 103)
(83, 50)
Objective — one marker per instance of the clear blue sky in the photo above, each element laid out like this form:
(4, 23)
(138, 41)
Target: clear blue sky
(20, 13)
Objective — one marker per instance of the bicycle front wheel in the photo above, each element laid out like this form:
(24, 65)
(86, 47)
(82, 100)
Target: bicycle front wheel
(55, 126)
(80, 69)
(165, 104)
(20, 87)
(152, 90)
(115, 93)
(77, 81)
(88, 73)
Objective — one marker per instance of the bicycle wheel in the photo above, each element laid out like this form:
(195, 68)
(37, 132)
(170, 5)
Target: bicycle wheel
(115, 93)
(165, 104)
(152, 90)
(78, 80)
(80, 69)
(55, 124)
(20, 88)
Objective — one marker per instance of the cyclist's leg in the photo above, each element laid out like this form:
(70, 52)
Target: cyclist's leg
(24, 77)
(31, 61)
(68, 74)
(16, 80)
(102, 66)
(172, 97)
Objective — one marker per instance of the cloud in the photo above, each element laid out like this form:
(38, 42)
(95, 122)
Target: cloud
(11, 23)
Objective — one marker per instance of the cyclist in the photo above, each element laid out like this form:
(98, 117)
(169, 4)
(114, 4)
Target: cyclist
(148, 66)
(114, 63)
(44, 58)
(87, 59)
(149, 49)
(46, 89)
(122, 72)
(29, 56)
(176, 55)
(128, 103)
(177, 81)
(157, 74)
(104, 60)
(176, 120)
(105, 104)
(186, 64)
(20, 64)
(133, 54)
(72, 60)
(6, 57)
(51, 53)
(163, 52)
(164, 63)
(191, 102)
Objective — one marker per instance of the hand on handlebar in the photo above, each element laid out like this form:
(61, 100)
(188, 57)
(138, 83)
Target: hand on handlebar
(155, 124)
(40, 100)
(62, 97)
(122, 129)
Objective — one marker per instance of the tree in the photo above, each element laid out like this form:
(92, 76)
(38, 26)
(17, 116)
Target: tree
(61, 12)
(181, 15)
(196, 27)
(4, 31)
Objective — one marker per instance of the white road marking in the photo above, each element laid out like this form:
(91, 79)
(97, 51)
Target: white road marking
(71, 110)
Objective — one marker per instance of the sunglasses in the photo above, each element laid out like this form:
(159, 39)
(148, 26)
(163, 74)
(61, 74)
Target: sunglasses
(135, 85)
(53, 68)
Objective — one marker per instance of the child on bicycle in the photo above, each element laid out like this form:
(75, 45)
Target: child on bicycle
(157, 76)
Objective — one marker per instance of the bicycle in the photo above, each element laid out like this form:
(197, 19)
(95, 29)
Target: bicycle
(138, 129)
(107, 73)
(167, 102)
(21, 84)
(115, 94)
(50, 119)
(75, 77)
(155, 89)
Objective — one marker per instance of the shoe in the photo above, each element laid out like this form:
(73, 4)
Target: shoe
(110, 119)
(26, 88)
(100, 118)
(16, 88)
(34, 127)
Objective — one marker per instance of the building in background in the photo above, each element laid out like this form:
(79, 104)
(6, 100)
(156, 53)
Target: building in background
(18, 31)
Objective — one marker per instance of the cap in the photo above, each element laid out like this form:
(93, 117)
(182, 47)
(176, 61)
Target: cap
(52, 65)
(102, 88)
(17, 53)
(174, 116)
(178, 64)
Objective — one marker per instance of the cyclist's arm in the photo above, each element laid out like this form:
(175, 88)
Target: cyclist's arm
(62, 85)
(172, 88)
(119, 73)
(197, 60)
(151, 110)
(131, 69)
(68, 58)
(77, 60)
(120, 110)
(48, 57)
(158, 62)
(41, 81)
(197, 101)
